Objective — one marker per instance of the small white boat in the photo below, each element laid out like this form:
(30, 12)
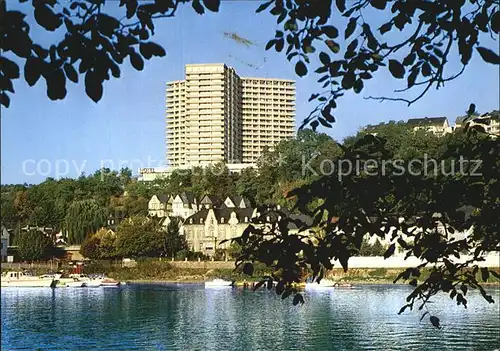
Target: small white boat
(324, 283)
(216, 283)
(87, 281)
(109, 282)
(75, 284)
(92, 283)
(22, 279)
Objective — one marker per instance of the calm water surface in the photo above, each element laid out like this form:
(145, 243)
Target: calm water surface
(188, 317)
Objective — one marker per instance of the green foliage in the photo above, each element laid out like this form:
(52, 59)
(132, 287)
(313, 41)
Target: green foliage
(47, 204)
(234, 250)
(84, 217)
(101, 245)
(90, 247)
(174, 241)
(34, 246)
(423, 211)
(140, 236)
(375, 249)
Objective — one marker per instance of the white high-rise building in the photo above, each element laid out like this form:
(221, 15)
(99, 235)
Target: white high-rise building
(213, 116)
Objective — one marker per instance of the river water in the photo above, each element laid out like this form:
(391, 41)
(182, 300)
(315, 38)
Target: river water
(190, 317)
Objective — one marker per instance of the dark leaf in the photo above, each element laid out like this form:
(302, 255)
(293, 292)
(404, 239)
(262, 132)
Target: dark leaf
(47, 18)
(408, 60)
(20, 43)
(327, 115)
(390, 251)
(32, 70)
(348, 81)
(264, 6)
(324, 58)
(314, 124)
(93, 86)
(279, 44)
(9, 68)
(300, 68)
(330, 31)
(485, 274)
(351, 26)
(397, 69)
(488, 55)
(471, 110)
(212, 5)
(6, 84)
(403, 309)
(56, 84)
(495, 22)
(412, 78)
(434, 61)
(298, 298)
(352, 46)
(286, 293)
(248, 269)
(107, 24)
(435, 321)
(197, 7)
(131, 8)
(313, 97)
(385, 27)
(270, 44)
(136, 61)
(324, 122)
(358, 86)
(150, 49)
(71, 72)
(379, 4)
(333, 46)
(280, 287)
(164, 5)
(340, 5)
(365, 75)
(426, 69)
(4, 99)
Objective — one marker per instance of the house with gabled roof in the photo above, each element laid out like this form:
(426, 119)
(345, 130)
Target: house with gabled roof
(236, 202)
(158, 205)
(184, 205)
(205, 229)
(210, 201)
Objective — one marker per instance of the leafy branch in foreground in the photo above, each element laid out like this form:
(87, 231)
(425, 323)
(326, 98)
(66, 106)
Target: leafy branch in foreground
(97, 41)
(424, 213)
(429, 33)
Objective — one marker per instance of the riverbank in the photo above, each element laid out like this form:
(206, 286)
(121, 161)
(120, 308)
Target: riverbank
(163, 272)
(155, 271)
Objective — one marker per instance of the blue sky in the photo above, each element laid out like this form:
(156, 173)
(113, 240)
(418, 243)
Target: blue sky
(41, 138)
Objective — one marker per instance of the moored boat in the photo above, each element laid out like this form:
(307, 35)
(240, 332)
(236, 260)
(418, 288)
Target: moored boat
(323, 283)
(217, 282)
(25, 280)
(75, 284)
(109, 282)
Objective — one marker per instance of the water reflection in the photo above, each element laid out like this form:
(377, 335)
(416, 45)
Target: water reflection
(189, 317)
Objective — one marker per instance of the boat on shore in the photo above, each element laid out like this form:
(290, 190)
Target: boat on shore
(217, 283)
(109, 282)
(75, 284)
(322, 284)
(25, 280)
